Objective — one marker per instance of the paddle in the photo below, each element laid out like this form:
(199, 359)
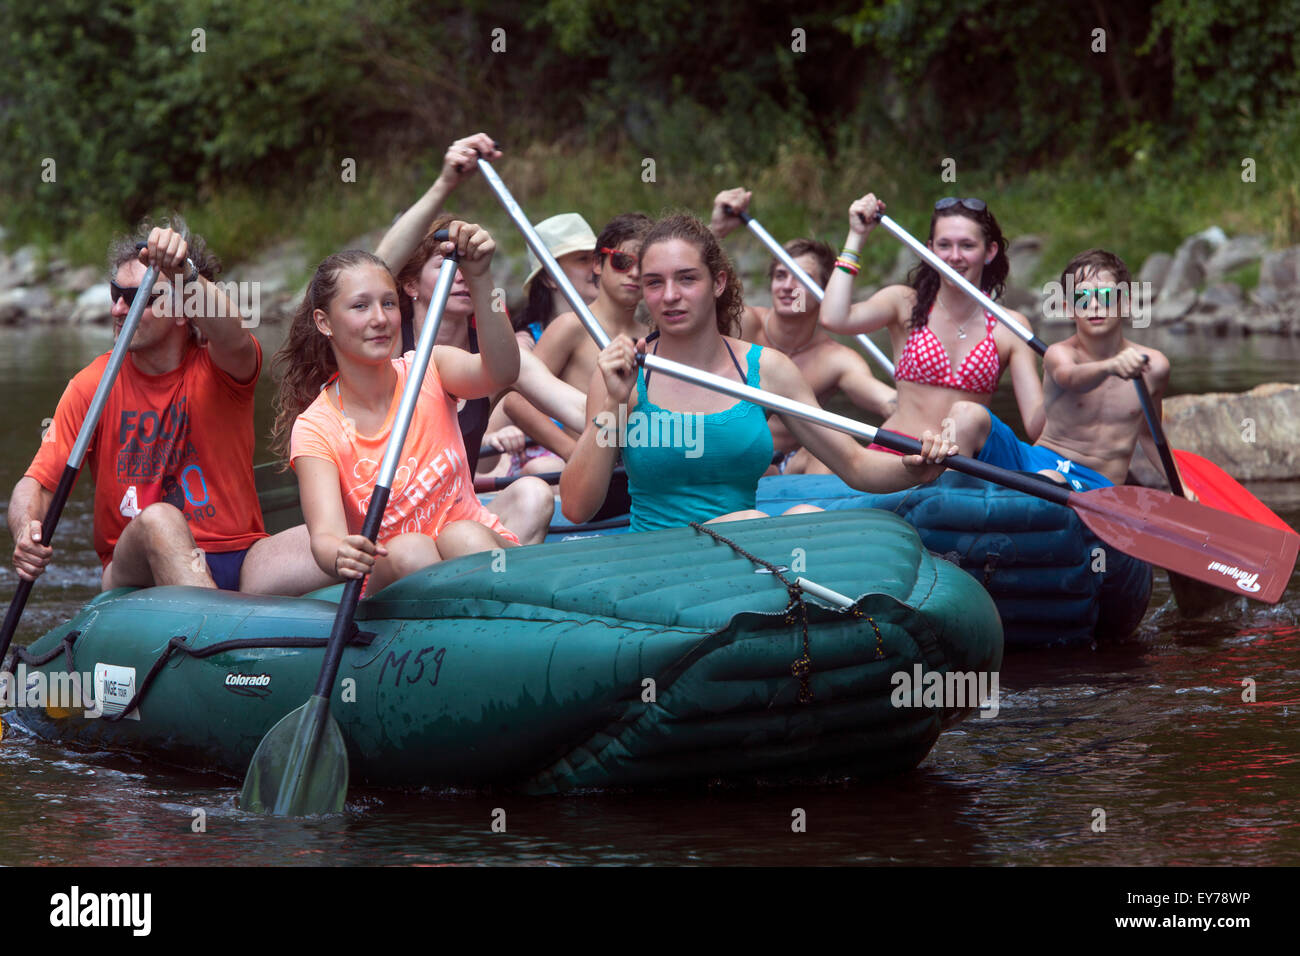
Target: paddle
(1217, 489)
(1158, 436)
(1220, 549)
(1191, 600)
(142, 299)
(301, 765)
(486, 483)
(1211, 484)
(809, 282)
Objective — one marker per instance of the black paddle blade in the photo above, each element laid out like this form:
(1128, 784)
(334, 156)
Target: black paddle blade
(301, 766)
(1193, 600)
(1214, 547)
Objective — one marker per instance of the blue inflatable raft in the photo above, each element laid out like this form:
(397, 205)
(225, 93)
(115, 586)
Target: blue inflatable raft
(1054, 582)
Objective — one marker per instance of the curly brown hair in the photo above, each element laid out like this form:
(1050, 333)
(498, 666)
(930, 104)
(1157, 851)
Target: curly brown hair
(687, 228)
(127, 248)
(307, 358)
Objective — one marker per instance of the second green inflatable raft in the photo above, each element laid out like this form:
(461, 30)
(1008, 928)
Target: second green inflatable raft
(640, 659)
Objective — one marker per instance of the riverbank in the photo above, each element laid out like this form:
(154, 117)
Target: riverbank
(1181, 216)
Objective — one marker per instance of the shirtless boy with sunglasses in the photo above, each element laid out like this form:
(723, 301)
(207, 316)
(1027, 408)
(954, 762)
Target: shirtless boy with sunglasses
(1093, 416)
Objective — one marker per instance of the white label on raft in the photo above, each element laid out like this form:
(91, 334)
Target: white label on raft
(114, 688)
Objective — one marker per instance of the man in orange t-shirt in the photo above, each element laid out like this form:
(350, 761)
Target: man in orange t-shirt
(172, 456)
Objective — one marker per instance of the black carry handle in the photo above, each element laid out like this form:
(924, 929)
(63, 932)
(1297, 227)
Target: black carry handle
(738, 213)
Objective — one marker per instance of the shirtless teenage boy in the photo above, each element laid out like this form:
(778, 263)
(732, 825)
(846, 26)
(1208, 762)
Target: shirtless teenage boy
(567, 348)
(790, 325)
(1093, 416)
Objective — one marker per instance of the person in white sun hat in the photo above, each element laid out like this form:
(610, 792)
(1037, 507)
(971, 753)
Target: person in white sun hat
(572, 242)
(569, 238)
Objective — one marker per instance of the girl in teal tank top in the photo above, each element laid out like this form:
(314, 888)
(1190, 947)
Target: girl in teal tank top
(691, 466)
(702, 460)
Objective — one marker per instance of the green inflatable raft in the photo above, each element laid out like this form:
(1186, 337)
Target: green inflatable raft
(635, 660)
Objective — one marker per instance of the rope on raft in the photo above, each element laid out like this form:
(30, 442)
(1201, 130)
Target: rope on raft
(800, 667)
(67, 646)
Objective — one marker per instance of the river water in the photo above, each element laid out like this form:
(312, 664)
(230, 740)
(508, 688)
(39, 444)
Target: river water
(1152, 733)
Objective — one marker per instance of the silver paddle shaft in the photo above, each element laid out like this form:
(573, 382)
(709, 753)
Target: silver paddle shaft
(809, 282)
(143, 297)
(769, 400)
(415, 374)
(686, 373)
(543, 254)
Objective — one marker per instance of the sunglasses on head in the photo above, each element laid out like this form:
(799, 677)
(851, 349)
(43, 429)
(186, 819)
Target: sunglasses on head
(971, 203)
(1105, 296)
(621, 261)
(128, 292)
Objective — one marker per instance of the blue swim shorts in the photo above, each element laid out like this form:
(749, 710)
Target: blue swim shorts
(1004, 449)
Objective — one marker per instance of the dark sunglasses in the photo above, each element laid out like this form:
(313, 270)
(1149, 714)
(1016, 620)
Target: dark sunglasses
(1106, 297)
(621, 261)
(971, 203)
(128, 292)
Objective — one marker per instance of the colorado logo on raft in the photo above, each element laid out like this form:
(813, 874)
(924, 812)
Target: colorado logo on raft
(248, 680)
(1246, 580)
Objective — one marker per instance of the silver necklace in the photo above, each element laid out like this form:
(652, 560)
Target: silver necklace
(795, 352)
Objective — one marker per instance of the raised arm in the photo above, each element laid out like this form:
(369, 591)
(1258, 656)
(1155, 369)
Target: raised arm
(723, 223)
(496, 366)
(230, 344)
(459, 163)
(838, 313)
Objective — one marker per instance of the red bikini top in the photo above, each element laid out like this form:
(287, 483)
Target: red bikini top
(925, 362)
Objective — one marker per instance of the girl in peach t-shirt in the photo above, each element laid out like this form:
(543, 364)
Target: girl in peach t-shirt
(339, 395)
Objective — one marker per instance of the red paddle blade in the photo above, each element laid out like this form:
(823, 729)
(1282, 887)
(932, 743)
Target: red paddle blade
(1216, 488)
(1220, 549)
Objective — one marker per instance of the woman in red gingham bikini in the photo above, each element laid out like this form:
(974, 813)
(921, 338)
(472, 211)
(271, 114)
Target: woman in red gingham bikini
(948, 347)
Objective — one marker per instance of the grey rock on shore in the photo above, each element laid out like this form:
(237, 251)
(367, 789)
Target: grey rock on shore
(1253, 436)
